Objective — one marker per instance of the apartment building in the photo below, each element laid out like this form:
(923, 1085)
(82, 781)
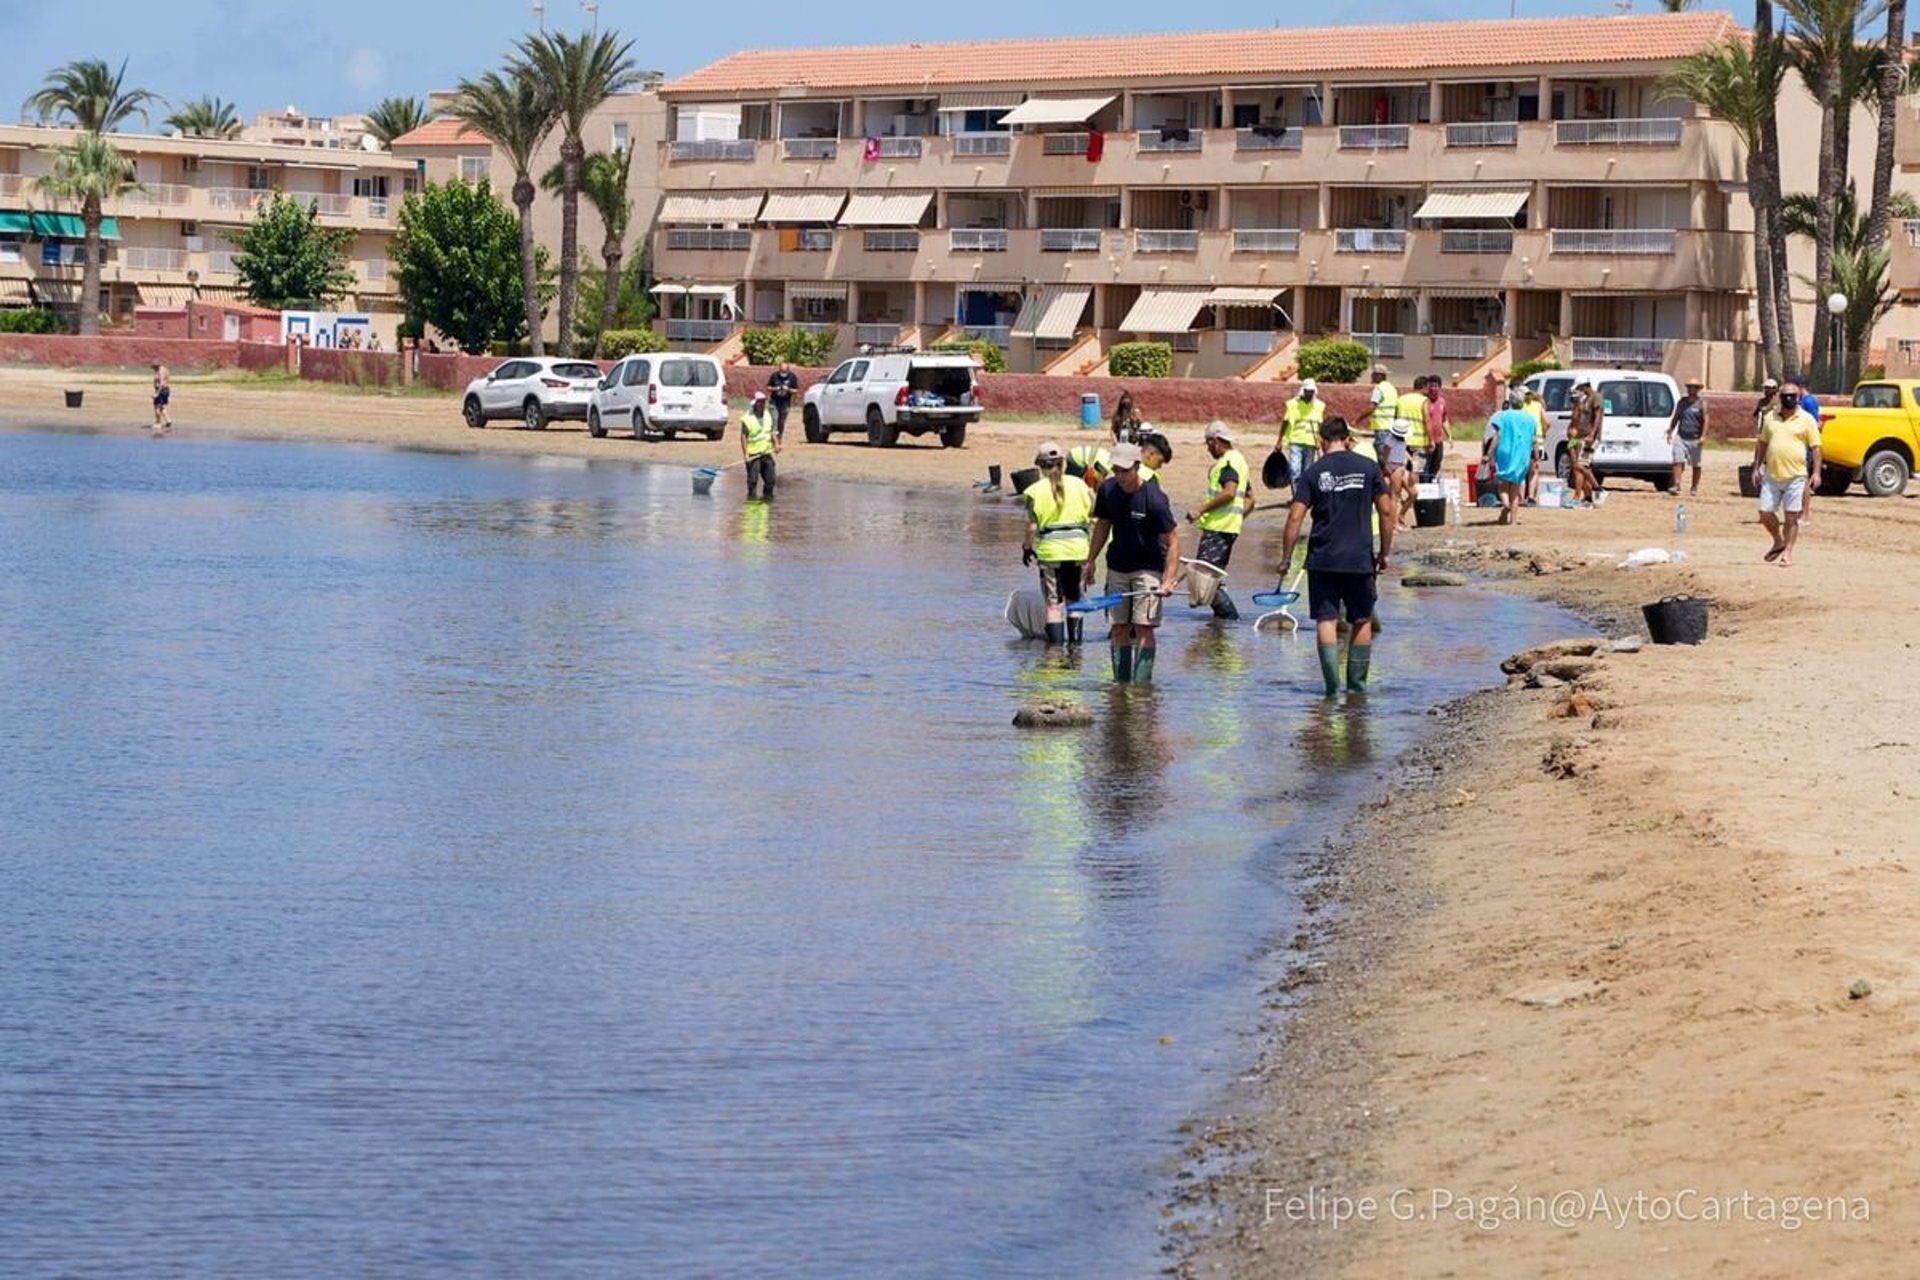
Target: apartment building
(171, 240)
(293, 127)
(1455, 195)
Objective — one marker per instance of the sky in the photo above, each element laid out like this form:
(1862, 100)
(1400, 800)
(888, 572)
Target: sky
(334, 56)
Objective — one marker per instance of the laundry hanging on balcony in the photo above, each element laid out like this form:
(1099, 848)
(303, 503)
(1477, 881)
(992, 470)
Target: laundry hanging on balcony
(1096, 146)
(870, 150)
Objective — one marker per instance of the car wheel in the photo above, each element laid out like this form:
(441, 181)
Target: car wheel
(717, 434)
(1886, 473)
(476, 416)
(1563, 465)
(641, 431)
(954, 437)
(533, 415)
(810, 421)
(1662, 483)
(595, 427)
(879, 434)
(1834, 481)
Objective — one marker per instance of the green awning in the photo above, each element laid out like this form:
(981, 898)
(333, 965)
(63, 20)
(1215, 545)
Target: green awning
(39, 225)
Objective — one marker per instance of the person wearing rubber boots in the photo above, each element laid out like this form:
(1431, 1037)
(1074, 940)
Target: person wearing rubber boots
(1223, 514)
(1134, 525)
(759, 442)
(1059, 529)
(1349, 498)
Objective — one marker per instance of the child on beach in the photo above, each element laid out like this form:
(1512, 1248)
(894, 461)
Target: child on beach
(162, 397)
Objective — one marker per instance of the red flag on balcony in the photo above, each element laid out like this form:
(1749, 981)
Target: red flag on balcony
(1096, 146)
(871, 151)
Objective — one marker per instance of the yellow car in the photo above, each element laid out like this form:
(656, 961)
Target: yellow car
(1874, 440)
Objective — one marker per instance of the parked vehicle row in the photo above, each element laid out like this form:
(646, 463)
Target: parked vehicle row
(1633, 434)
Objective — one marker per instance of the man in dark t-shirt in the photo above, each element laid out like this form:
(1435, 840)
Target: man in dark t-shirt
(1134, 522)
(780, 389)
(1343, 491)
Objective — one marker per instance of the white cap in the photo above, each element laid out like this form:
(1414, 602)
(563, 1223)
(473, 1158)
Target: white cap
(1125, 456)
(1310, 385)
(1218, 430)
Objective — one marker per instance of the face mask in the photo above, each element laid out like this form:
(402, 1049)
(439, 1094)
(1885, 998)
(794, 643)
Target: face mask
(1306, 395)
(1788, 400)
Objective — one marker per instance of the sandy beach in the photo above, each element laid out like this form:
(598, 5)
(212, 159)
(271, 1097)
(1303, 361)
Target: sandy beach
(1601, 952)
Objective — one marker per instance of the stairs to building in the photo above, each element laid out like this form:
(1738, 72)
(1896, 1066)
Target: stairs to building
(732, 349)
(1077, 361)
(1495, 365)
(1278, 365)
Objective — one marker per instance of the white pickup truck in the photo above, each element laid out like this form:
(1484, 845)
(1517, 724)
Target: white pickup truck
(890, 395)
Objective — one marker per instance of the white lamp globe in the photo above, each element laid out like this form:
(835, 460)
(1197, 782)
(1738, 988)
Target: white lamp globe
(1837, 303)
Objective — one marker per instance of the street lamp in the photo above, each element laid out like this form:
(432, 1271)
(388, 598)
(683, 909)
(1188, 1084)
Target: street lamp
(1836, 342)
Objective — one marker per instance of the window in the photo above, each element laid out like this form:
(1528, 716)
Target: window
(636, 374)
(512, 369)
(840, 374)
(859, 371)
(371, 187)
(258, 178)
(1553, 394)
(9, 251)
(1637, 399)
(1877, 396)
(576, 370)
(475, 168)
(619, 136)
(688, 373)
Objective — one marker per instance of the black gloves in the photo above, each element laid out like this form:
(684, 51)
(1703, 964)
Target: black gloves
(1027, 557)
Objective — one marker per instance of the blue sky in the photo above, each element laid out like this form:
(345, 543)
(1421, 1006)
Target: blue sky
(340, 55)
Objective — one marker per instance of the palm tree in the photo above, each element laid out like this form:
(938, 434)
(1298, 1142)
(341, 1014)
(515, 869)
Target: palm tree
(89, 171)
(1763, 184)
(603, 180)
(1893, 75)
(582, 72)
(91, 96)
(204, 117)
(395, 117)
(1799, 216)
(1676, 6)
(515, 112)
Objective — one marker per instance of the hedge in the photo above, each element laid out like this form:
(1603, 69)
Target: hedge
(616, 343)
(794, 346)
(1527, 368)
(1335, 360)
(992, 359)
(1141, 360)
(30, 320)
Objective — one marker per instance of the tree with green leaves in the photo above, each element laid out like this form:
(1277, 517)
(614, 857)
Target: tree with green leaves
(1854, 256)
(603, 181)
(581, 72)
(456, 261)
(395, 117)
(633, 305)
(515, 113)
(89, 171)
(204, 117)
(286, 258)
(91, 96)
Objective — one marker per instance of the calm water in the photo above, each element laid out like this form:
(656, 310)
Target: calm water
(420, 865)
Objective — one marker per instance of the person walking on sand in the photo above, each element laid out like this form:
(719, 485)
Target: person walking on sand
(1223, 514)
(162, 399)
(1059, 537)
(1439, 429)
(1300, 433)
(1510, 445)
(1685, 432)
(1126, 420)
(759, 442)
(1348, 496)
(1583, 434)
(1531, 402)
(1784, 457)
(781, 388)
(1134, 525)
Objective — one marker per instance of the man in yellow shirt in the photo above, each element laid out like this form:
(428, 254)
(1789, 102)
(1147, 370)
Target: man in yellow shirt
(1786, 453)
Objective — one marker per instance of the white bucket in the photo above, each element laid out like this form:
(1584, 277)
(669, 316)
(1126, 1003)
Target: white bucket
(1026, 612)
(1553, 493)
(1203, 582)
(1428, 491)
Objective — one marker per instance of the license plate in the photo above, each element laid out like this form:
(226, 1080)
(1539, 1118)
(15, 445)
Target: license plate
(676, 408)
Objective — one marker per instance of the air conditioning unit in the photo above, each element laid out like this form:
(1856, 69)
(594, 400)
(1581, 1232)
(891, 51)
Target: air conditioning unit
(190, 229)
(190, 163)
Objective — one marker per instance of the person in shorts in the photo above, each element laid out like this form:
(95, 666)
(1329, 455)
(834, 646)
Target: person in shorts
(781, 388)
(1059, 521)
(1784, 457)
(1133, 523)
(162, 398)
(1685, 432)
(1583, 435)
(1343, 491)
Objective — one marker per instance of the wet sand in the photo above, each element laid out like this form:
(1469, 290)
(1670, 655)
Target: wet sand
(1603, 953)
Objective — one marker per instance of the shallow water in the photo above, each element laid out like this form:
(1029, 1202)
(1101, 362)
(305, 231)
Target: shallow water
(420, 864)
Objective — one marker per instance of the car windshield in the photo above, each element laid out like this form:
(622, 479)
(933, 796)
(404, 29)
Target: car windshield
(688, 373)
(1637, 399)
(577, 371)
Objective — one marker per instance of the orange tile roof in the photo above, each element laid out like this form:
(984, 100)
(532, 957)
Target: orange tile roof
(440, 133)
(1300, 52)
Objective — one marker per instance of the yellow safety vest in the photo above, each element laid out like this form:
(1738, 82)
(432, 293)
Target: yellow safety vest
(1227, 519)
(1412, 415)
(1303, 421)
(1087, 459)
(758, 430)
(1389, 405)
(1148, 475)
(1065, 525)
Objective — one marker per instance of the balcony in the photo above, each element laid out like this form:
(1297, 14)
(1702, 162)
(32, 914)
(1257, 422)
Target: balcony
(982, 144)
(220, 262)
(876, 335)
(1489, 134)
(327, 206)
(809, 148)
(234, 199)
(891, 241)
(167, 195)
(1385, 346)
(1638, 241)
(1250, 342)
(707, 331)
(998, 334)
(1370, 240)
(1620, 353)
(1170, 140)
(898, 148)
(1080, 240)
(1264, 240)
(711, 149)
(142, 258)
(1166, 242)
(1268, 139)
(1471, 241)
(978, 240)
(721, 240)
(1065, 144)
(1659, 132)
(815, 240)
(379, 208)
(1462, 346)
(1375, 137)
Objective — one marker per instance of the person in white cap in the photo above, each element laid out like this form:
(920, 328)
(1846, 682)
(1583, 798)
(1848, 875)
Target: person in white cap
(1223, 514)
(759, 441)
(1059, 527)
(1134, 525)
(1300, 435)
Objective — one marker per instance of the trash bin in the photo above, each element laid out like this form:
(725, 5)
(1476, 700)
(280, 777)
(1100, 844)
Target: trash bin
(73, 399)
(1089, 410)
(1429, 513)
(1677, 620)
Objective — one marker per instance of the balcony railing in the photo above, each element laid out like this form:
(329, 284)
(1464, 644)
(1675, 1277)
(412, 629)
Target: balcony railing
(169, 194)
(1385, 346)
(235, 199)
(892, 241)
(1170, 140)
(12, 184)
(1472, 241)
(1637, 241)
(1268, 139)
(1501, 133)
(1620, 352)
(899, 148)
(220, 262)
(142, 258)
(1375, 137)
(1912, 227)
(379, 207)
(978, 240)
(328, 206)
(809, 148)
(818, 328)
(998, 334)
(712, 149)
(700, 330)
(1166, 242)
(375, 269)
(1077, 240)
(1459, 346)
(710, 239)
(1370, 240)
(1064, 144)
(815, 240)
(1185, 340)
(1661, 132)
(982, 144)
(876, 335)
(1250, 342)
(1265, 240)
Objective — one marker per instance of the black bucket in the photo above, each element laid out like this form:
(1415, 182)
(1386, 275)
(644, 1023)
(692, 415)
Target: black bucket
(73, 399)
(1749, 487)
(1429, 513)
(1025, 479)
(1677, 620)
(993, 475)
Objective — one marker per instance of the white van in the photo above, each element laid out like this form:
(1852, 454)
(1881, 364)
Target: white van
(660, 394)
(1633, 434)
(916, 393)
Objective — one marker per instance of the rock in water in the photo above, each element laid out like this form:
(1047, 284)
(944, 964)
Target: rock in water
(1520, 663)
(1052, 713)
(1433, 578)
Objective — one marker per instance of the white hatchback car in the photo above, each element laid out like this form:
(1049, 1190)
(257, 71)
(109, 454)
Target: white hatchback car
(534, 389)
(660, 394)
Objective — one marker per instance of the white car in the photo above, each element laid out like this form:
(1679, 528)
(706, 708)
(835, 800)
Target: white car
(886, 395)
(1633, 434)
(534, 389)
(660, 394)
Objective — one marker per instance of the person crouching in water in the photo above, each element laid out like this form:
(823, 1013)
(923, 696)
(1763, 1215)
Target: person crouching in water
(1223, 514)
(1344, 491)
(759, 441)
(1134, 524)
(1059, 526)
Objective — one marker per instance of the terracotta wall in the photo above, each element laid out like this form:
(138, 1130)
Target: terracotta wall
(350, 368)
(66, 351)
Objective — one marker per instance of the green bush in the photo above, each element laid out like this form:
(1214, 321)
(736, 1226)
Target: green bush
(616, 343)
(992, 359)
(30, 320)
(1527, 368)
(1141, 360)
(795, 346)
(1335, 360)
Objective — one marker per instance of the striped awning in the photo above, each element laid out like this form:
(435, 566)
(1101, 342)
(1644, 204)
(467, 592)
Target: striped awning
(816, 289)
(1164, 311)
(1076, 193)
(172, 296)
(981, 100)
(731, 206)
(1241, 297)
(1497, 295)
(1362, 292)
(1057, 110)
(1493, 202)
(1053, 312)
(667, 290)
(803, 206)
(886, 208)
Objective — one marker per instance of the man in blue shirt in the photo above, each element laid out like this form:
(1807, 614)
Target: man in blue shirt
(1343, 491)
(1134, 523)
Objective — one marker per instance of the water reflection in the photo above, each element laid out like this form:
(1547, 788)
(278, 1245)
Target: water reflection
(1338, 735)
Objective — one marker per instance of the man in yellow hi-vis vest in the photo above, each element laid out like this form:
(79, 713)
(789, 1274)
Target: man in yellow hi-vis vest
(759, 441)
(1223, 514)
(1300, 433)
(1059, 535)
(1410, 445)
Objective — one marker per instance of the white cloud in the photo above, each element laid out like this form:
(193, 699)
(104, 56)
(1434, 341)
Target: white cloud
(366, 70)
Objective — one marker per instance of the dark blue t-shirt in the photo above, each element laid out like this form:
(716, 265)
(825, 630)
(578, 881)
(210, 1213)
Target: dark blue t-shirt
(1340, 490)
(1140, 522)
